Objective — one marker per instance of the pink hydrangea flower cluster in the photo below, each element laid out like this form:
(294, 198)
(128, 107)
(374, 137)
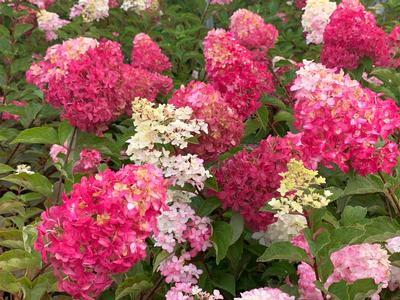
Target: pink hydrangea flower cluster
(88, 162)
(221, 2)
(394, 46)
(181, 225)
(264, 294)
(250, 30)
(232, 70)
(147, 55)
(342, 122)
(359, 262)
(50, 22)
(42, 4)
(300, 4)
(307, 288)
(91, 82)
(224, 125)
(55, 150)
(248, 180)
(352, 34)
(101, 228)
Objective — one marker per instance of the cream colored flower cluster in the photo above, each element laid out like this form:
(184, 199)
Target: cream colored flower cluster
(140, 5)
(315, 18)
(158, 128)
(298, 190)
(284, 229)
(90, 10)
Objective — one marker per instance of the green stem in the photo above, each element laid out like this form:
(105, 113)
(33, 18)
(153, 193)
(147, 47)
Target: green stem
(391, 196)
(69, 150)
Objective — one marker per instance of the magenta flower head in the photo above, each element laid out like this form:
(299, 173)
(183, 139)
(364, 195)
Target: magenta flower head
(100, 229)
(224, 124)
(232, 70)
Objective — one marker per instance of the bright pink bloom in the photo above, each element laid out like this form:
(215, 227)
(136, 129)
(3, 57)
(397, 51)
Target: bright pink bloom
(394, 46)
(300, 4)
(88, 162)
(250, 30)
(300, 241)
(307, 288)
(224, 125)
(101, 228)
(92, 84)
(342, 122)
(361, 261)
(234, 73)
(248, 180)
(147, 55)
(352, 34)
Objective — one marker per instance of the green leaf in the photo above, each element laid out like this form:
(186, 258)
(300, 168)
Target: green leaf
(5, 169)
(64, 131)
(263, 116)
(362, 185)
(8, 283)
(221, 238)
(283, 116)
(34, 182)
(224, 281)
(212, 184)
(237, 225)
(360, 289)
(20, 29)
(207, 206)
(159, 259)
(18, 259)
(36, 289)
(273, 101)
(283, 250)
(133, 286)
(352, 215)
(37, 135)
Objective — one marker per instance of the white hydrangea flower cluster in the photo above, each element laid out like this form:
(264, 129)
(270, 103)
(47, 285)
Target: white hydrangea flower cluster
(297, 190)
(24, 169)
(90, 10)
(315, 18)
(49, 23)
(284, 229)
(140, 5)
(167, 125)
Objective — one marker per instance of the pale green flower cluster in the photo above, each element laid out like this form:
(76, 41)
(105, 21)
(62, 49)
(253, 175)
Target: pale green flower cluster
(299, 189)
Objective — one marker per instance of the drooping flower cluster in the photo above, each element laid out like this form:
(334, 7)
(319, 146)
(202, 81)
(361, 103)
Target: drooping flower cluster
(50, 22)
(91, 82)
(298, 189)
(342, 122)
(90, 10)
(225, 128)
(307, 278)
(264, 294)
(167, 125)
(232, 70)
(180, 227)
(100, 229)
(352, 34)
(88, 161)
(248, 180)
(359, 262)
(285, 228)
(315, 18)
(10, 116)
(250, 30)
